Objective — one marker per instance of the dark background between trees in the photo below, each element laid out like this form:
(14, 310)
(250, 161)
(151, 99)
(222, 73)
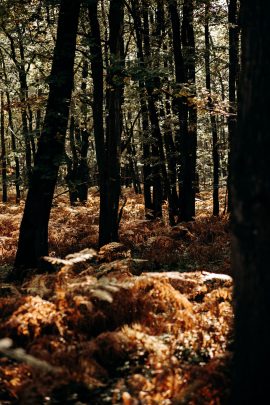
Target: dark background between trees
(151, 104)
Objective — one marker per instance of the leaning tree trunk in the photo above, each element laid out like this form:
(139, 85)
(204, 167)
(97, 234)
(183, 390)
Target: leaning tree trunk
(251, 220)
(33, 239)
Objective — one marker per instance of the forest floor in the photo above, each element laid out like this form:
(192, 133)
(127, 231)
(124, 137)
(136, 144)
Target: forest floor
(144, 321)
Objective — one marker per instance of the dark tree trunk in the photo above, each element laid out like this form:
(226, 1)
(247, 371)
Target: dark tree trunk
(250, 214)
(24, 103)
(108, 150)
(213, 118)
(33, 239)
(169, 137)
(155, 128)
(72, 165)
(98, 96)
(12, 135)
(132, 171)
(14, 149)
(183, 144)
(233, 78)
(114, 99)
(3, 166)
(189, 145)
(83, 169)
(20, 65)
(147, 172)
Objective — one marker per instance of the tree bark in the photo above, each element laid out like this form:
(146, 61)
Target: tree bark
(98, 97)
(14, 149)
(12, 134)
(33, 239)
(147, 171)
(189, 137)
(3, 166)
(213, 118)
(250, 214)
(184, 145)
(114, 99)
(233, 79)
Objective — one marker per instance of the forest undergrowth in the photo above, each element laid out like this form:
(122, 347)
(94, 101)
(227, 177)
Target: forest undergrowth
(145, 321)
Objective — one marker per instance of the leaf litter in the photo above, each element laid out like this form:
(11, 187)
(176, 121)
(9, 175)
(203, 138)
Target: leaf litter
(145, 321)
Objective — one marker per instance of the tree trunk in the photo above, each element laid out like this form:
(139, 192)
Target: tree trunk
(233, 78)
(189, 141)
(14, 149)
(98, 96)
(213, 119)
(12, 135)
(108, 150)
(155, 128)
(83, 169)
(33, 239)
(3, 166)
(147, 172)
(182, 142)
(72, 165)
(24, 104)
(250, 214)
(114, 99)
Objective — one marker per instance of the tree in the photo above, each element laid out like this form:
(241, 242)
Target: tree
(186, 141)
(33, 239)
(114, 99)
(108, 140)
(233, 78)
(250, 215)
(189, 139)
(3, 165)
(213, 119)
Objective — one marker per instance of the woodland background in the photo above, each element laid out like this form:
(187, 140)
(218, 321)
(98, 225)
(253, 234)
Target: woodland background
(130, 135)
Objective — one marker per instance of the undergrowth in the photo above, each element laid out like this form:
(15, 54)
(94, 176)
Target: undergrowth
(144, 321)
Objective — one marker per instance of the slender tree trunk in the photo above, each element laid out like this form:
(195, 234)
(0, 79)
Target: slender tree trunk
(83, 169)
(147, 172)
(182, 142)
(189, 150)
(14, 149)
(24, 107)
(250, 214)
(213, 119)
(20, 65)
(114, 122)
(169, 141)
(108, 151)
(233, 77)
(12, 135)
(33, 239)
(38, 118)
(155, 128)
(3, 166)
(98, 96)
(72, 164)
